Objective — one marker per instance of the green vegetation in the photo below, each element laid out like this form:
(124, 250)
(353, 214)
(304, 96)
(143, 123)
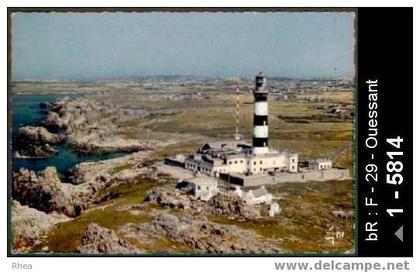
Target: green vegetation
(182, 147)
(217, 120)
(65, 238)
(135, 122)
(121, 167)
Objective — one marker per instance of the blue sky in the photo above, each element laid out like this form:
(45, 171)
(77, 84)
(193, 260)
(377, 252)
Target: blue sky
(83, 46)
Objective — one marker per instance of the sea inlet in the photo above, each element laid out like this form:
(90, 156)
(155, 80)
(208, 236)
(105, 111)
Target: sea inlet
(26, 111)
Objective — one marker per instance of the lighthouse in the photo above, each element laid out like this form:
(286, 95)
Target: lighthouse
(260, 136)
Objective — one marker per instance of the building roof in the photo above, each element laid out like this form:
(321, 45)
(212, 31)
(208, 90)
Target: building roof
(238, 155)
(202, 180)
(259, 192)
(323, 160)
(274, 153)
(220, 144)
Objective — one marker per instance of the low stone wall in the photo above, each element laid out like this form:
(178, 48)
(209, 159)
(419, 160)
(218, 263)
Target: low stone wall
(310, 175)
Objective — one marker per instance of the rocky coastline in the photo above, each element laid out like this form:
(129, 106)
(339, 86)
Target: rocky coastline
(46, 198)
(230, 206)
(83, 188)
(85, 125)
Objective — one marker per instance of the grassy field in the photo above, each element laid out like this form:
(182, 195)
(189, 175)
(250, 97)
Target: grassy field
(65, 238)
(216, 119)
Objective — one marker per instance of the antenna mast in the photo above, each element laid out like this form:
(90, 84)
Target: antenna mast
(237, 136)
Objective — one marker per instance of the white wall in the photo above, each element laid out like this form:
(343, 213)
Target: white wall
(261, 131)
(261, 108)
(256, 165)
(293, 162)
(259, 164)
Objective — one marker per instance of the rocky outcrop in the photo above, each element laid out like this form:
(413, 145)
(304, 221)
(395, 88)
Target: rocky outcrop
(90, 184)
(89, 127)
(96, 143)
(233, 205)
(200, 234)
(35, 142)
(36, 151)
(57, 116)
(45, 192)
(29, 227)
(229, 205)
(99, 240)
(38, 135)
(46, 105)
(56, 122)
(92, 127)
(124, 168)
(168, 198)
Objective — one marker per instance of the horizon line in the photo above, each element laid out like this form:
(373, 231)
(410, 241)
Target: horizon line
(351, 78)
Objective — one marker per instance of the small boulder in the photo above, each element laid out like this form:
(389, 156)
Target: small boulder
(168, 198)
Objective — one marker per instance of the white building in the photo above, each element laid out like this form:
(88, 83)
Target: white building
(323, 164)
(232, 157)
(258, 196)
(203, 188)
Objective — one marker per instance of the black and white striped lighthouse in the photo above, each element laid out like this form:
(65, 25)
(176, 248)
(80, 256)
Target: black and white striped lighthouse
(260, 138)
